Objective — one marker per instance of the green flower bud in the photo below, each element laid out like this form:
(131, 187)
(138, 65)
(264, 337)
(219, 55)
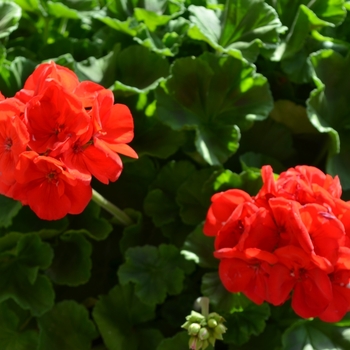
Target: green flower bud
(216, 317)
(203, 334)
(195, 317)
(194, 328)
(219, 330)
(212, 340)
(194, 343)
(186, 325)
(212, 323)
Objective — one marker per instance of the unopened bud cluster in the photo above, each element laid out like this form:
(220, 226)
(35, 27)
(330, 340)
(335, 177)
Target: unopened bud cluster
(204, 330)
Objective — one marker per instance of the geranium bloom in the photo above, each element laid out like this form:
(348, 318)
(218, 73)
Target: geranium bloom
(49, 189)
(291, 240)
(55, 135)
(53, 118)
(14, 138)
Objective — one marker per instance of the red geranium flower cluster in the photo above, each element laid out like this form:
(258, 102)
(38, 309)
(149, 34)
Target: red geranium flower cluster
(291, 240)
(55, 134)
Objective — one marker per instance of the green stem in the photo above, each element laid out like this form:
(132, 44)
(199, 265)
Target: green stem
(204, 303)
(119, 215)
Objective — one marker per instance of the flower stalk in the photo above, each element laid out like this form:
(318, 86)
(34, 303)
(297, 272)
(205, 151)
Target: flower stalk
(121, 217)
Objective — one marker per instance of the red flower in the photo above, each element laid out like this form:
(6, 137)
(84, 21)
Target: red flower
(51, 192)
(113, 128)
(55, 135)
(312, 290)
(43, 75)
(292, 240)
(246, 271)
(223, 204)
(13, 141)
(53, 118)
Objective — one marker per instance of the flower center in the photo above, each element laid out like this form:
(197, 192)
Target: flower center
(52, 177)
(8, 144)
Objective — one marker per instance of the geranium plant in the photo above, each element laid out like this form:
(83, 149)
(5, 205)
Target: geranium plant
(138, 140)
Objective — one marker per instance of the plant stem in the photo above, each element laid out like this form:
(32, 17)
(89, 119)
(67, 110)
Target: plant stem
(204, 303)
(119, 214)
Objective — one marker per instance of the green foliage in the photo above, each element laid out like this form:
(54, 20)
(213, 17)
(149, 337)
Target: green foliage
(217, 88)
(66, 326)
(156, 272)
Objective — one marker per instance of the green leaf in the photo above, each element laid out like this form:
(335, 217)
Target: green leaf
(132, 186)
(257, 160)
(222, 300)
(118, 328)
(328, 108)
(139, 59)
(155, 272)
(332, 11)
(242, 325)
(59, 10)
(72, 262)
(315, 335)
(30, 6)
(28, 222)
(194, 198)
(339, 164)
(156, 16)
(244, 25)
(154, 138)
(293, 116)
(305, 21)
(14, 74)
(160, 202)
(9, 208)
(10, 14)
(128, 26)
(165, 42)
(67, 326)
(12, 336)
(269, 138)
(224, 92)
(136, 234)
(200, 248)
(172, 176)
(90, 219)
(19, 269)
(178, 341)
(160, 207)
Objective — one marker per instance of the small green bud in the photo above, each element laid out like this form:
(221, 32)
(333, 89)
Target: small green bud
(219, 330)
(194, 328)
(203, 334)
(195, 317)
(212, 340)
(186, 325)
(194, 343)
(212, 323)
(216, 317)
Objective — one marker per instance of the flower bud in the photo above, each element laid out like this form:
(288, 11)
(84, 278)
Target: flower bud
(216, 317)
(203, 334)
(194, 343)
(195, 317)
(219, 330)
(212, 323)
(194, 328)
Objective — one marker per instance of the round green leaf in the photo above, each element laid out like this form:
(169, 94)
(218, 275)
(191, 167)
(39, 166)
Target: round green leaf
(67, 326)
(72, 262)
